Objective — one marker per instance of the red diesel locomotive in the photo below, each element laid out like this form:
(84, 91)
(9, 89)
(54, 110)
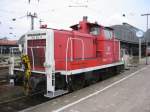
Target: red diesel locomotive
(61, 61)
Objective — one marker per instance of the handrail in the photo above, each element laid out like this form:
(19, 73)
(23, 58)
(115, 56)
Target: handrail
(32, 58)
(82, 46)
(68, 40)
(37, 47)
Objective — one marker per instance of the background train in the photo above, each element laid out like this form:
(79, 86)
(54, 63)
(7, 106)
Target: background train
(60, 61)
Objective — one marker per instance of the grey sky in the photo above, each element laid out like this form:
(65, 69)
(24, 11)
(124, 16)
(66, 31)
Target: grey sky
(58, 14)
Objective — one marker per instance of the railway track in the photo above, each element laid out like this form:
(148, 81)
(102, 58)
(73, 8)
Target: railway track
(23, 102)
(13, 99)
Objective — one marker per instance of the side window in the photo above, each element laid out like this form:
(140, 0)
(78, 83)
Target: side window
(95, 31)
(108, 34)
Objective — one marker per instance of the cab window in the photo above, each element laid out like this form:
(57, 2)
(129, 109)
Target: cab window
(95, 31)
(108, 34)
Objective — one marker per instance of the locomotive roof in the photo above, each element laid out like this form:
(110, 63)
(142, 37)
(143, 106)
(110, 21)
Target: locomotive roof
(75, 27)
(109, 28)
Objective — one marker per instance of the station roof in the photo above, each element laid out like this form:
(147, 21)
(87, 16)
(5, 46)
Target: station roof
(8, 42)
(126, 33)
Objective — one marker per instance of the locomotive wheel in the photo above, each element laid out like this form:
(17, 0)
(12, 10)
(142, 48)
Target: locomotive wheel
(96, 76)
(76, 82)
(60, 81)
(92, 77)
(104, 74)
(37, 84)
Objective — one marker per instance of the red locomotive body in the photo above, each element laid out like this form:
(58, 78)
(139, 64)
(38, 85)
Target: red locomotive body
(88, 47)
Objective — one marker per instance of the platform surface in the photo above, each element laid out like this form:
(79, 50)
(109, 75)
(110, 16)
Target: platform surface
(128, 92)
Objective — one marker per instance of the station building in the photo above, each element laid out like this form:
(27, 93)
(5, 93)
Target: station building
(6, 46)
(126, 33)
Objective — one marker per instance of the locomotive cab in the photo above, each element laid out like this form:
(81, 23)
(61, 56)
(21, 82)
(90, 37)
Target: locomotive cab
(86, 27)
(108, 32)
(94, 29)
